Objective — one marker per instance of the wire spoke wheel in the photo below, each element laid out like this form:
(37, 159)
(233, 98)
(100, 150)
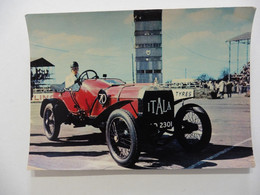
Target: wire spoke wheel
(193, 127)
(195, 135)
(49, 121)
(122, 138)
(51, 125)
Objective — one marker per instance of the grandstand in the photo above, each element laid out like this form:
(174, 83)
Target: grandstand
(42, 75)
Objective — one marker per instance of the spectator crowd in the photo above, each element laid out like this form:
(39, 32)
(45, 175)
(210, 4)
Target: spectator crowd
(236, 83)
(39, 74)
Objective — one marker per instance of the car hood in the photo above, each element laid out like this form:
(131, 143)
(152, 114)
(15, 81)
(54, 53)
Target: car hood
(132, 90)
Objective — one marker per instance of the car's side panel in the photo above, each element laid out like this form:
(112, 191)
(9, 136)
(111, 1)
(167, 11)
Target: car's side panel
(120, 93)
(87, 97)
(132, 107)
(66, 98)
(88, 93)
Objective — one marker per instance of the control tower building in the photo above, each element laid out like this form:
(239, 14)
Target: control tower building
(148, 45)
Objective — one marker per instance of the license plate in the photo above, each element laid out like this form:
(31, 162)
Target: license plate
(163, 125)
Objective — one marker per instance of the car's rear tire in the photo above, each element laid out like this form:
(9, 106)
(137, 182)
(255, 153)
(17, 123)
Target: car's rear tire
(193, 127)
(50, 123)
(122, 138)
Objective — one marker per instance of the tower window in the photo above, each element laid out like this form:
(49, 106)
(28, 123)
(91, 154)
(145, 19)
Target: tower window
(157, 71)
(149, 71)
(148, 45)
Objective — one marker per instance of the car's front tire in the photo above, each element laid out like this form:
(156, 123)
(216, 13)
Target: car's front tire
(121, 137)
(50, 123)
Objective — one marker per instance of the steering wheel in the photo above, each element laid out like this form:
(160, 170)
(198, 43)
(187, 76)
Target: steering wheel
(85, 74)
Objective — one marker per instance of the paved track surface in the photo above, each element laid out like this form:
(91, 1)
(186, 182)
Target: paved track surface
(85, 148)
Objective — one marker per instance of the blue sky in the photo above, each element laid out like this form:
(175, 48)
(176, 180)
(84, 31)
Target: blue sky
(193, 39)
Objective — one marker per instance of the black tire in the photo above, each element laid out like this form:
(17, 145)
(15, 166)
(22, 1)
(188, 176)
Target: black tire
(50, 123)
(121, 137)
(193, 127)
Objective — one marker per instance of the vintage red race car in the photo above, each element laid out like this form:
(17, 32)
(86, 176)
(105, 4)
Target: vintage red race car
(130, 115)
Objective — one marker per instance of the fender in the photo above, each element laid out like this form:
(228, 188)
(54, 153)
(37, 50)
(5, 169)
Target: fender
(104, 115)
(180, 100)
(59, 108)
(194, 107)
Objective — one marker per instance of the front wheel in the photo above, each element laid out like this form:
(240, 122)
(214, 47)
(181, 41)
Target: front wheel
(50, 123)
(121, 137)
(193, 127)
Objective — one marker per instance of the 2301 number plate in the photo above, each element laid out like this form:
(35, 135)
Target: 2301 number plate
(163, 125)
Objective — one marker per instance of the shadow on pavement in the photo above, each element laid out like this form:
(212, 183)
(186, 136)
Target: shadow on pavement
(174, 155)
(78, 140)
(170, 156)
(36, 134)
(75, 153)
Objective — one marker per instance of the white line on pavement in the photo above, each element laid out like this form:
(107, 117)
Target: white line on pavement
(217, 154)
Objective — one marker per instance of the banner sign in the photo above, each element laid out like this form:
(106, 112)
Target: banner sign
(182, 93)
(39, 97)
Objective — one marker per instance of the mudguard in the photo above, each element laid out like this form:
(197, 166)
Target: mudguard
(60, 109)
(105, 114)
(181, 100)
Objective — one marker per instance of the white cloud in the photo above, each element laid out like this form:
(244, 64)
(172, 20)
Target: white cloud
(129, 19)
(194, 37)
(103, 51)
(241, 14)
(60, 40)
(170, 17)
(204, 15)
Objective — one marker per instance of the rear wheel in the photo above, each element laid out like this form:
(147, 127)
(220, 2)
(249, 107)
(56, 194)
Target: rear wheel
(50, 123)
(121, 137)
(193, 127)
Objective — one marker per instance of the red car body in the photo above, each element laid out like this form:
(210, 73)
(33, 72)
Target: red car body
(88, 93)
(129, 115)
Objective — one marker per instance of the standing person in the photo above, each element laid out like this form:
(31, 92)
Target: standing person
(212, 89)
(221, 88)
(71, 78)
(211, 86)
(229, 89)
(240, 86)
